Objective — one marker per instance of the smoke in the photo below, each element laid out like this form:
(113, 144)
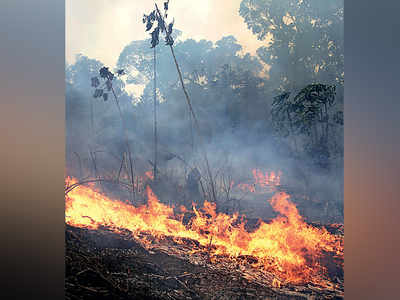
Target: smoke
(231, 102)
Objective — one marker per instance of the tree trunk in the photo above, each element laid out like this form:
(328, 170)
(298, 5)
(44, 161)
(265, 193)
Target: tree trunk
(155, 118)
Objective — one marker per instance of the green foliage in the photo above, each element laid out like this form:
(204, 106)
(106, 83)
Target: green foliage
(306, 40)
(280, 109)
(304, 110)
(308, 113)
(305, 52)
(309, 103)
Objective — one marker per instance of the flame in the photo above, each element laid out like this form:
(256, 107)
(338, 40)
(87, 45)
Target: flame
(263, 182)
(287, 246)
(149, 175)
(139, 182)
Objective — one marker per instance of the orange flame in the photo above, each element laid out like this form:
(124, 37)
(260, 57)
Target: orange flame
(263, 182)
(149, 175)
(288, 247)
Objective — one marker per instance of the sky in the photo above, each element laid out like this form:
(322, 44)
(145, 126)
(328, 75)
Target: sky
(100, 29)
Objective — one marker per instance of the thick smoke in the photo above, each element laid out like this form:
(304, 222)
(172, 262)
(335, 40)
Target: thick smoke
(231, 101)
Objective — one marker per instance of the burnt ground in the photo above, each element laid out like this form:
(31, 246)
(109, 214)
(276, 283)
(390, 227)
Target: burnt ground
(104, 265)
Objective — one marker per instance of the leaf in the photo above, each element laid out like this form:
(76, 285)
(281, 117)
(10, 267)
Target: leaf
(161, 23)
(169, 40)
(105, 96)
(98, 93)
(280, 99)
(166, 5)
(109, 85)
(150, 20)
(170, 25)
(144, 18)
(95, 82)
(121, 72)
(106, 74)
(155, 37)
(149, 24)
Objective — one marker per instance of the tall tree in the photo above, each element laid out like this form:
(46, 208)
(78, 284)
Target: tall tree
(306, 40)
(225, 86)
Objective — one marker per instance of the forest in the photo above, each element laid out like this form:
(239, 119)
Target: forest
(197, 122)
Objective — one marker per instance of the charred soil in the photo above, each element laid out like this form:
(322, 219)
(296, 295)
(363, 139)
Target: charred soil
(101, 264)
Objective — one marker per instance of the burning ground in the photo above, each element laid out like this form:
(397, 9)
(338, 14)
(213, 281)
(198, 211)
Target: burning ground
(161, 252)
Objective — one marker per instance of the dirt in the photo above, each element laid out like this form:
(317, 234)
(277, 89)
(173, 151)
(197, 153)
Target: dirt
(104, 265)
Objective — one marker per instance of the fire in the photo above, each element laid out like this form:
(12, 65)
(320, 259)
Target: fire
(287, 246)
(263, 182)
(149, 175)
(139, 182)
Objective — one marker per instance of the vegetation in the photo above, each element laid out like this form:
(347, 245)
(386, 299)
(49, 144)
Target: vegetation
(293, 116)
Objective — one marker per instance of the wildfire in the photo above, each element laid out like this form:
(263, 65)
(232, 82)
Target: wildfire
(287, 246)
(149, 175)
(139, 182)
(263, 182)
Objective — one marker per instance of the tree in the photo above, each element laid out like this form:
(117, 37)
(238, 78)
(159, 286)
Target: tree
(225, 87)
(306, 40)
(309, 113)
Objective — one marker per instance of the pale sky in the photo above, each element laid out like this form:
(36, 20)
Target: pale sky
(100, 29)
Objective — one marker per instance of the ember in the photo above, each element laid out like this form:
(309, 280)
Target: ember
(286, 247)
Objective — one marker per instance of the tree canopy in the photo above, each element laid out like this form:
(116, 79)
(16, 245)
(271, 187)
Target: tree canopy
(306, 40)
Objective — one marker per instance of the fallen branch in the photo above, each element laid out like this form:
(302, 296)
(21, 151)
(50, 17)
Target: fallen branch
(75, 185)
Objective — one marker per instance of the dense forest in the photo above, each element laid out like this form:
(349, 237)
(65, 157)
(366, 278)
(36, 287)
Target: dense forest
(280, 109)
